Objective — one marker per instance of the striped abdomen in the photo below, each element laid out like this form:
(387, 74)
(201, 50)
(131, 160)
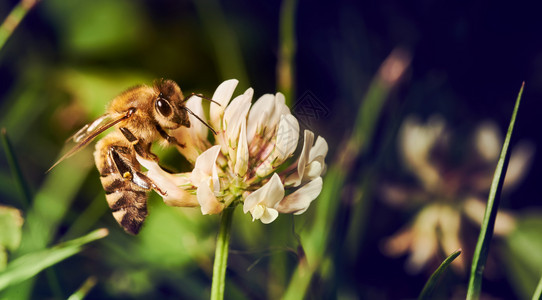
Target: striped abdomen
(119, 169)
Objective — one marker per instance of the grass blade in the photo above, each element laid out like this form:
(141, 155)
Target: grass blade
(13, 19)
(538, 292)
(486, 231)
(433, 280)
(29, 265)
(84, 289)
(16, 170)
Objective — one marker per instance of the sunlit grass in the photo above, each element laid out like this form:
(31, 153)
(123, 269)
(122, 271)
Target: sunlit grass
(293, 258)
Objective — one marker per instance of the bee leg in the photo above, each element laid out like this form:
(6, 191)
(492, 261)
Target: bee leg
(139, 149)
(169, 138)
(121, 159)
(149, 153)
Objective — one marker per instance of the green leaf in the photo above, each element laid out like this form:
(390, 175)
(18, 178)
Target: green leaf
(433, 280)
(522, 251)
(488, 224)
(11, 221)
(29, 265)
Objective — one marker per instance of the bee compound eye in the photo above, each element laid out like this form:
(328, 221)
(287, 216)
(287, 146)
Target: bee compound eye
(163, 107)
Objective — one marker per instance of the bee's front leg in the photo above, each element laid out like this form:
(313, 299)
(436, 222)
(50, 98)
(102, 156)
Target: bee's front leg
(138, 147)
(121, 157)
(169, 138)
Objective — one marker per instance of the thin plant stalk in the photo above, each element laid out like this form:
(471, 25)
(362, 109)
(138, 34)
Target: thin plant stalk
(16, 170)
(84, 289)
(287, 49)
(14, 18)
(315, 241)
(433, 280)
(221, 255)
(488, 224)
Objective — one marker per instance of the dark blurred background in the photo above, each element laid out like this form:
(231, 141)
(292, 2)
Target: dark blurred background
(69, 58)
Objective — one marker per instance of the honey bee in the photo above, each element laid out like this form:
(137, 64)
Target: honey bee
(141, 115)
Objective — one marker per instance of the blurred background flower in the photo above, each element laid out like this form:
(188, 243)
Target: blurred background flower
(452, 189)
(357, 71)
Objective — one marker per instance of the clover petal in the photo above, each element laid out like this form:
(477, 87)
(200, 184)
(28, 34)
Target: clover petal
(298, 202)
(261, 203)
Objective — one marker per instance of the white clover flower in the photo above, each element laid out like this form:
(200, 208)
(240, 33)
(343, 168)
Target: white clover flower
(261, 203)
(249, 160)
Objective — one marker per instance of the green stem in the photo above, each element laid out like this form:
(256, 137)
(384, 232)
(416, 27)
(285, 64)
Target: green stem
(84, 289)
(221, 255)
(14, 18)
(287, 49)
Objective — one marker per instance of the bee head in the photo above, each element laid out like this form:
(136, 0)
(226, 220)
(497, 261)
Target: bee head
(169, 106)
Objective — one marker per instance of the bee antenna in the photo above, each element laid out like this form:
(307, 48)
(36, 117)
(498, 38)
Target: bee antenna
(201, 120)
(202, 97)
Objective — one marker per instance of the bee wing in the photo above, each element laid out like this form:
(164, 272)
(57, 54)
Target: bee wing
(89, 132)
(89, 128)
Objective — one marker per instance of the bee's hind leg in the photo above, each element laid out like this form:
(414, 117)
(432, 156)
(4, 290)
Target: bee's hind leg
(121, 158)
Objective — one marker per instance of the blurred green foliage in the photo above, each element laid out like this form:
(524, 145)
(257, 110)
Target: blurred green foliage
(11, 222)
(27, 266)
(65, 62)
